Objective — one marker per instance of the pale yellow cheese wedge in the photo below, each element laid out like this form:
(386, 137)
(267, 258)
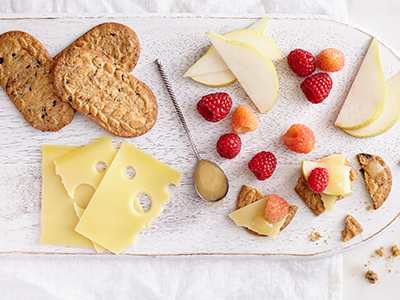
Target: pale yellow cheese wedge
(110, 218)
(252, 217)
(58, 216)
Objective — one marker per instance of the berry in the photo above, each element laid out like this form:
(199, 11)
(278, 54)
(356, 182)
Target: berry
(301, 62)
(243, 120)
(318, 179)
(229, 145)
(214, 107)
(317, 87)
(299, 138)
(277, 208)
(263, 164)
(330, 60)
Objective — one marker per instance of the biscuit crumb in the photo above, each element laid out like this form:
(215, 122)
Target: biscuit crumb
(371, 276)
(315, 236)
(369, 207)
(395, 251)
(380, 251)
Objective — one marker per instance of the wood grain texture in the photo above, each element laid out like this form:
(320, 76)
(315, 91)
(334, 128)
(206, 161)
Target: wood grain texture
(188, 225)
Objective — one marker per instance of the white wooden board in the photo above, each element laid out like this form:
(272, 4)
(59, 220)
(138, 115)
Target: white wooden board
(188, 225)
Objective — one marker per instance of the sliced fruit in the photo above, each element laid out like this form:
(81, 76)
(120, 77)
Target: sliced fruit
(367, 95)
(212, 71)
(339, 174)
(212, 62)
(260, 25)
(218, 79)
(390, 113)
(253, 69)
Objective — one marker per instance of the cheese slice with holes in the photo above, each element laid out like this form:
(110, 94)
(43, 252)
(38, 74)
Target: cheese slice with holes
(58, 217)
(80, 167)
(110, 219)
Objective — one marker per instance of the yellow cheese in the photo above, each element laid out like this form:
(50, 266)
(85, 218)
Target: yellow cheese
(110, 218)
(329, 201)
(58, 217)
(252, 217)
(79, 212)
(80, 167)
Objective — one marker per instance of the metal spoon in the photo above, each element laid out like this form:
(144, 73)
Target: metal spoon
(210, 180)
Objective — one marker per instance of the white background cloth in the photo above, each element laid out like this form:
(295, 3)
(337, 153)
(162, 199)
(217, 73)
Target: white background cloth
(112, 277)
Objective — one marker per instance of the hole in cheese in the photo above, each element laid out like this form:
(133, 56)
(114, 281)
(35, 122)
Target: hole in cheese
(101, 166)
(130, 172)
(144, 201)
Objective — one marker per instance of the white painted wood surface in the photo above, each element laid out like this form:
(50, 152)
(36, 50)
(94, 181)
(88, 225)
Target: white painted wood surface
(188, 225)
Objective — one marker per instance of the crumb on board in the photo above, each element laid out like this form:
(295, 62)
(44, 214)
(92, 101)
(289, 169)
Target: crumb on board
(395, 250)
(369, 207)
(371, 276)
(380, 251)
(315, 236)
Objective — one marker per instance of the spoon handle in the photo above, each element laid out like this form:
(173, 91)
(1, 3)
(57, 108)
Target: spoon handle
(178, 109)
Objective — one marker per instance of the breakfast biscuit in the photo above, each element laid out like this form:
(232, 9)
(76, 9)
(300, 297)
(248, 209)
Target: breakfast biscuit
(25, 75)
(109, 96)
(377, 176)
(116, 41)
(352, 228)
(249, 195)
(314, 200)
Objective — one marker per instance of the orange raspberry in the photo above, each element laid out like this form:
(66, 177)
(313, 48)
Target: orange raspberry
(299, 138)
(330, 60)
(277, 208)
(243, 120)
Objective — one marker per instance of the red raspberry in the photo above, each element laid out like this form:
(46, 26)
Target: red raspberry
(299, 138)
(243, 120)
(330, 60)
(229, 145)
(214, 107)
(318, 180)
(277, 208)
(301, 62)
(317, 87)
(263, 164)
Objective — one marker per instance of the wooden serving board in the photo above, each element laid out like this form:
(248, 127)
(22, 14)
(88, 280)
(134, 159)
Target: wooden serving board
(188, 225)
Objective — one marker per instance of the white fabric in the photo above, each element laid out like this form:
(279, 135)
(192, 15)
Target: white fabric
(116, 277)
(164, 278)
(335, 8)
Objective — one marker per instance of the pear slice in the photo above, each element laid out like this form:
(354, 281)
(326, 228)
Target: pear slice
(260, 25)
(215, 61)
(390, 113)
(211, 62)
(212, 71)
(253, 69)
(367, 95)
(218, 79)
(216, 72)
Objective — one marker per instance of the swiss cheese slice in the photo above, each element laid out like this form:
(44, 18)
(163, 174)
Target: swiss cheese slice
(80, 167)
(58, 217)
(110, 219)
(252, 217)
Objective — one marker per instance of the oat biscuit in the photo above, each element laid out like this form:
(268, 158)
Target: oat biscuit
(107, 95)
(25, 75)
(312, 199)
(116, 41)
(377, 176)
(352, 228)
(249, 195)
